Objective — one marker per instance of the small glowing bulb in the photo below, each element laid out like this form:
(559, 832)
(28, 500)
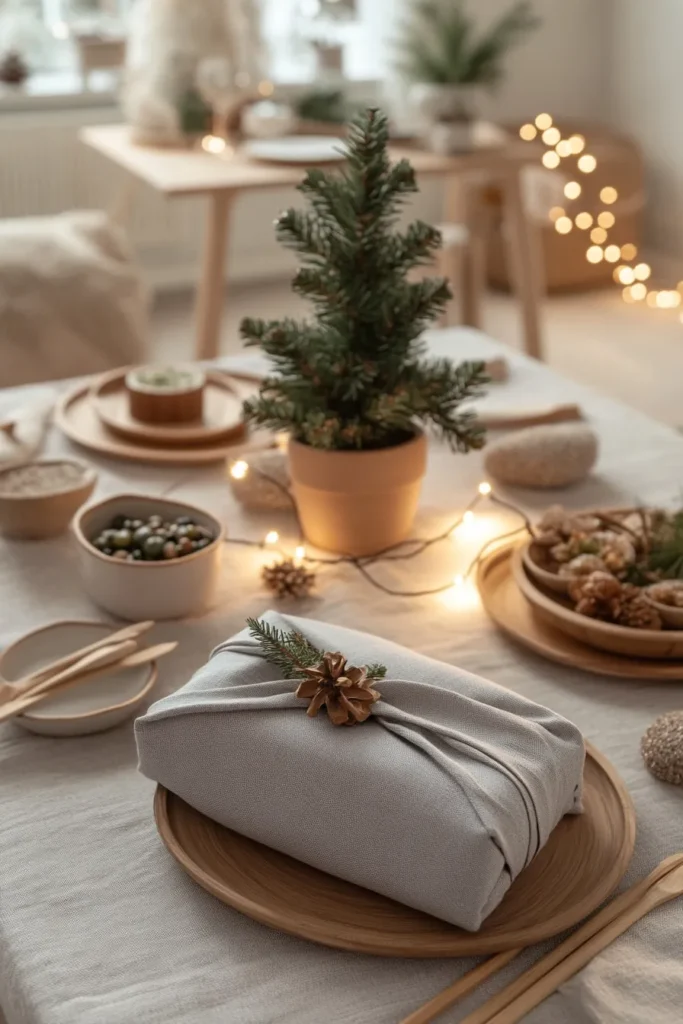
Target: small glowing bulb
(587, 163)
(272, 537)
(629, 251)
(638, 292)
(468, 516)
(625, 275)
(239, 470)
(642, 271)
(583, 220)
(609, 195)
(563, 225)
(551, 136)
(555, 213)
(527, 132)
(606, 219)
(572, 190)
(213, 144)
(266, 88)
(612, 253)
(485, 488)
(459, 581)
(598, 235)
(577, 143)
(300, 552)
(627, 295)
(652, 299)
(543, 121)
(594, 254)
(563, 148)
(550, 160)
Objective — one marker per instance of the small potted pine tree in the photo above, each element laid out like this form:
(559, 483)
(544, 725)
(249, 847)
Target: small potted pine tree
(353, 388)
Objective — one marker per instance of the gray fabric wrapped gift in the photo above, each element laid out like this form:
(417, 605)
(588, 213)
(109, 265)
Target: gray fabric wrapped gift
(439, 800)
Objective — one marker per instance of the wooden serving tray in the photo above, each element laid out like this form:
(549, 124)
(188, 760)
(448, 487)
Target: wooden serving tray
(76, 416)
(582, 863)
(222, 421)
(509, 609)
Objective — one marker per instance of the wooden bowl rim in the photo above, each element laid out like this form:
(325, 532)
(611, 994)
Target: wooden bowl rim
(116, 498)
(89, 480)
(148, 685)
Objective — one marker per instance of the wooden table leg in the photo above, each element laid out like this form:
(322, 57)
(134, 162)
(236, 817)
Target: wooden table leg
(525, 262)
(211, 289)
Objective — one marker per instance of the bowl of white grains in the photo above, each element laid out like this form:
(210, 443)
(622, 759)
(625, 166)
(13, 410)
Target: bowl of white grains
(39, 499)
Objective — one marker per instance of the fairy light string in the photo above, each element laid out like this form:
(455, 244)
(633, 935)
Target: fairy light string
(629, 272)
(401, 552)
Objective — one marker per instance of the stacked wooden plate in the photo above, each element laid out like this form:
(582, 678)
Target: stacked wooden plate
(539, 614)
(96, 416)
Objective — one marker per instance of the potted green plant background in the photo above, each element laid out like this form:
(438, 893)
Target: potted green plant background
(353, 387)
(449, 62)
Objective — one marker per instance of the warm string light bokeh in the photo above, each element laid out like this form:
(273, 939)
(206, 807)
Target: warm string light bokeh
(475, 534)
(627, 273)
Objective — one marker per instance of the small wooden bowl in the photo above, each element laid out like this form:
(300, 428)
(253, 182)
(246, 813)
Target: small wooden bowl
(154, 403)
(637, 643)
(669, 614)
(39, 516)
(550, 580)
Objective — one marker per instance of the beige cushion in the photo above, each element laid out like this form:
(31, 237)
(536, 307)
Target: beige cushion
(71, 299)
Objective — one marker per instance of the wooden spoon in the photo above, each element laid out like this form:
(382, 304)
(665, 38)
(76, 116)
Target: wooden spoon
(15, 689)
(133, 660)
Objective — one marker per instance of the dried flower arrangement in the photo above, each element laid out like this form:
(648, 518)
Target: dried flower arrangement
(617, 563)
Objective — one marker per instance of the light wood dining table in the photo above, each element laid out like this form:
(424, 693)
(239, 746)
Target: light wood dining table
(222, 178)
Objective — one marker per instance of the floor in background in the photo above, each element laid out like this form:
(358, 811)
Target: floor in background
(632, 353)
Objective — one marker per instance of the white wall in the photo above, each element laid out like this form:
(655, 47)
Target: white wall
(646, 85)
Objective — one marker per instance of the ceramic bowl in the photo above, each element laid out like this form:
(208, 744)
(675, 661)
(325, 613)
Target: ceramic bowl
(39, 516)
(138, 591)
(549, 580)
(79, 710)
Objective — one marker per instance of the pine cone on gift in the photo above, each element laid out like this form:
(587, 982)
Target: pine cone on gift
(287, 579)
(343, 689)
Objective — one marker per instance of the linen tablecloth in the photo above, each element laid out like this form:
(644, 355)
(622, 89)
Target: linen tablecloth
(99, 925)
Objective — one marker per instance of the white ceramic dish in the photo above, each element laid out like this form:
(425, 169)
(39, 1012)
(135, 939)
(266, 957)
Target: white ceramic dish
(297, 149)
(79, 710)
(138, 591)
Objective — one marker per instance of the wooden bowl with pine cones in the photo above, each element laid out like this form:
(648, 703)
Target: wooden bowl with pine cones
(636, 629)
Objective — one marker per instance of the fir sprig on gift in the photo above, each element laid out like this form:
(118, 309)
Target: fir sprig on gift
(292, 653)
(356, 377)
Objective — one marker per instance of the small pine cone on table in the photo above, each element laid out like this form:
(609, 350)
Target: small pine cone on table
(288, 579)
(597, 595)
(637, 613)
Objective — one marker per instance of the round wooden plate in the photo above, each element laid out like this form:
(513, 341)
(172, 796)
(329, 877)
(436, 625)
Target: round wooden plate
(583, 862)
(223, 420)
(506, 605)
(663, 644)
(75, 415)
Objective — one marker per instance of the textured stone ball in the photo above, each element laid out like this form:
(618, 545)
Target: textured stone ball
(253, 491)
(662, 748)
(546, 456)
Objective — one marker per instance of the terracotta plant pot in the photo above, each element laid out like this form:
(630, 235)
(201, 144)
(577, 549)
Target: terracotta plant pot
(357, 503)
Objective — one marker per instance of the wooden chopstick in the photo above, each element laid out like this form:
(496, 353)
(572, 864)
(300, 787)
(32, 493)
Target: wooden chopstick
(532, 987)
(461, 988)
